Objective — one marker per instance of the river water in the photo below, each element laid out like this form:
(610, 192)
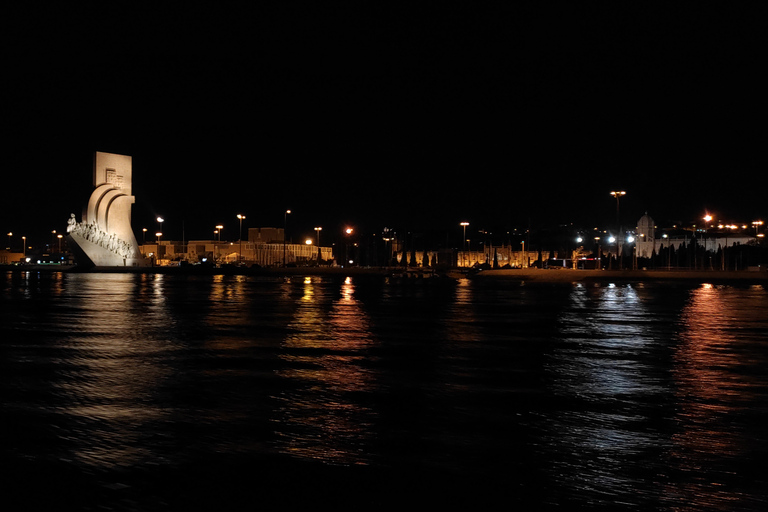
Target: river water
(168, 392)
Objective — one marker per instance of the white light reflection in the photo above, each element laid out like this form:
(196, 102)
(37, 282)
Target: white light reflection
(607, 388)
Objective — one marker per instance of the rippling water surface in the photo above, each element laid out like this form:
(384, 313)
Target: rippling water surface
(155, 392)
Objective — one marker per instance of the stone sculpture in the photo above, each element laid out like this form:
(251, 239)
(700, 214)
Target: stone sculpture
(104, 237)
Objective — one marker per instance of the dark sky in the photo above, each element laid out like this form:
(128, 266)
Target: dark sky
(415, 117)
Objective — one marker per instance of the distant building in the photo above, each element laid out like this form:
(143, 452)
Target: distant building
(10, 258)
(254, 252)
(648, 241)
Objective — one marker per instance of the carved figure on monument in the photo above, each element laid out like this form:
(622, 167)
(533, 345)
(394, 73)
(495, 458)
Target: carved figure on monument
(71, 223)
(104, 237)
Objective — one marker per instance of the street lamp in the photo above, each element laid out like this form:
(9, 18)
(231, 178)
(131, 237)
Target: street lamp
(611, 240)
(707, 218)
(464, 240)
(9, 240)
(319, 252)
(348, 232)
(285, 233)
(599, 264)
(618, 194)
(757, 224)
(631, 240)
(160, 221)
(24, 248)
(241, 217)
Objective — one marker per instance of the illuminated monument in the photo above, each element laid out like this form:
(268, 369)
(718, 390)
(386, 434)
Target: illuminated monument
(104, 237)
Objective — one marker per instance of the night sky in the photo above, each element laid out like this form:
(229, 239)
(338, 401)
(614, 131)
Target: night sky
(413, 117)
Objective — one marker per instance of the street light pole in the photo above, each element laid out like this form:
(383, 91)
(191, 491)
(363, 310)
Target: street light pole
(464, 241)
(241, 217)
(319, 252)
(285, 233)
(618, 194)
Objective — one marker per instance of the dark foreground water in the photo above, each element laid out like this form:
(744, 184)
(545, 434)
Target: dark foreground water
(156, 392)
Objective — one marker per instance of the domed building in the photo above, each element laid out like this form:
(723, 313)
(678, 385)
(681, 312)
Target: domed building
(645, 236)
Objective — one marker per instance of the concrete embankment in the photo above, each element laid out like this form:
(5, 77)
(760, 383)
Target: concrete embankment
(568, 275)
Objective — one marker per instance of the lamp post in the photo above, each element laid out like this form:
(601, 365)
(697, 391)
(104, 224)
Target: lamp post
(707, 218)
(144, 236)
(60, 236)
(631, 240)
(24, 246)
(241, 218)
(618, 194)
(348, 232)
(464, 241)
(757, 224)
(319, 252)
(285, 233)
(599, 263)
(610, 242)
(160, 221)
(9, 240)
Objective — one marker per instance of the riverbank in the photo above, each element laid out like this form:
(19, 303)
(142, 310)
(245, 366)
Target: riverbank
(520, 275)
(568, 275)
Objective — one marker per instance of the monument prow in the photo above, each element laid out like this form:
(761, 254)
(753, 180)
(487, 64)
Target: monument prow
(104, 237)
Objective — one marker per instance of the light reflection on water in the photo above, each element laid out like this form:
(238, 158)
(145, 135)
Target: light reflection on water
(715, 451)
(645, 396)
(659, 407)
(325, 351)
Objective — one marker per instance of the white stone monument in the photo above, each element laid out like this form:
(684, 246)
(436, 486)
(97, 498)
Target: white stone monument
(104, 237)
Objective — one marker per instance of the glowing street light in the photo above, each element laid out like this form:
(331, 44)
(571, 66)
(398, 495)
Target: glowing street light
(618, 194)
(757, 224)
(464, 238)
(9, 240)
(241, 218)
(348, 231)
(24, 246)
(285, 233)
(318, 229)
(464, 225)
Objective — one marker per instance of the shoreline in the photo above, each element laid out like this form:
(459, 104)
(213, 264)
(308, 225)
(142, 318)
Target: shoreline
(528, 275)
(570, 275)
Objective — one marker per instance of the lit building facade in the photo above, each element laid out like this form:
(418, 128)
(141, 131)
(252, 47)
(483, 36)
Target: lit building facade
(248, 253)
(648, 242)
